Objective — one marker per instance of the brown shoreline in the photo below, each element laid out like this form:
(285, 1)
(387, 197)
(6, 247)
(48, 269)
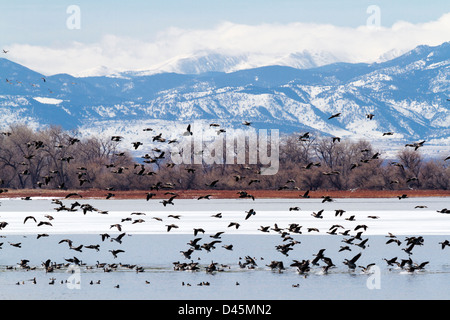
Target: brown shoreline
(222, 194)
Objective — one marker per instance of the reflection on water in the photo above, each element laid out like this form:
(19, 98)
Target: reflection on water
(101, 276)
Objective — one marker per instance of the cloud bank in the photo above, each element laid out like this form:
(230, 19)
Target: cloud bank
(261, 45)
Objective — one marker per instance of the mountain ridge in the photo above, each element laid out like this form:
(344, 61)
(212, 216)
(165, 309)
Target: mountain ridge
(407, 95)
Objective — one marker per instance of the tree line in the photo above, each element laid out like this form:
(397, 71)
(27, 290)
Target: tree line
(53, 158)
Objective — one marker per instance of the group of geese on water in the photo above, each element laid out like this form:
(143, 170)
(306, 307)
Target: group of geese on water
(351, 238)
(303, 266)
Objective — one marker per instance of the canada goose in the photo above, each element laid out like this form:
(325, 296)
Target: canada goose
(366, 269)
(217, 235)
(228, 247)
(362, 244)
(210, 245)
(304, 136)
(351, 263)
(370, 116)
(170, 226)
(170, 201)
(387, 134)
(294, 209)
(403, 196)
(17, 245)
(187, 253)
(351, 218)
(41, 223)
(305, 195)
(69, 242)
(264, 229)
(338, 139)
(344, 248)
(118, 238)
(391, 262)
(338, 212)
(117, 225)
(76, 248)
(334, 115)
(234, 224)
(92, 246)
(188, 131)
(318, 214)
(392, 240)
(250, 213)
(116, 138)
(73, 194)
(333, 231)
(444, 244)
(115, 252)
(204, 197)
(212, 184)
(217, 215)
(5, 51)
(137, 144)
(29, 217)
(197, 230)
(150, 195)
(415, 145)
(327, 199)
(319, 255)
(246, 123)
(408, 250)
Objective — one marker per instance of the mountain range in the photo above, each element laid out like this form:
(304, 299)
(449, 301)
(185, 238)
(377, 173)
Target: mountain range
(407, 96)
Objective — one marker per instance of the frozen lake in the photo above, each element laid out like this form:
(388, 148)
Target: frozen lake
(148, 246)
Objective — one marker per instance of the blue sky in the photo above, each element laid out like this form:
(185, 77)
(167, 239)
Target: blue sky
(136, 35)
(43, 21)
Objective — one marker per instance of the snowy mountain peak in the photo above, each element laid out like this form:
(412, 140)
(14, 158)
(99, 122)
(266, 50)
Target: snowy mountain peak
(408, 96)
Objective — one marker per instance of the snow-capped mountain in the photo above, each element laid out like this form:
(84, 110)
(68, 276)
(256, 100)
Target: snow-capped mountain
(407, 95)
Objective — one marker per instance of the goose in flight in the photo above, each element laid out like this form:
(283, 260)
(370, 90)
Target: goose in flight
(197, 230)
(318, 214)
(217, 235)
(250, 213)
(170, 226)
(188, 131)
(391, 262)
(115, 252)
(234, 224)
(334, 115)
(305, 195)
(207, 197)
(41, 223)
(444, 244)
(352, 263)
(28, 218)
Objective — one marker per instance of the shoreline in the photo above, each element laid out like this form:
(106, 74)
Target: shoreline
(221, 194)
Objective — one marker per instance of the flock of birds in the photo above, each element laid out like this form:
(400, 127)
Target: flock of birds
(350, 237)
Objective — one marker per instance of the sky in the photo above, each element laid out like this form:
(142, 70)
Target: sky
(50, 37)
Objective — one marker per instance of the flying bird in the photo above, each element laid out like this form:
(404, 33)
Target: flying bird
(28, 218)
(250, 213)
(334, 116)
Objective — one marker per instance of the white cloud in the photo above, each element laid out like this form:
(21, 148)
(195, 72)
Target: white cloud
(261, 44)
